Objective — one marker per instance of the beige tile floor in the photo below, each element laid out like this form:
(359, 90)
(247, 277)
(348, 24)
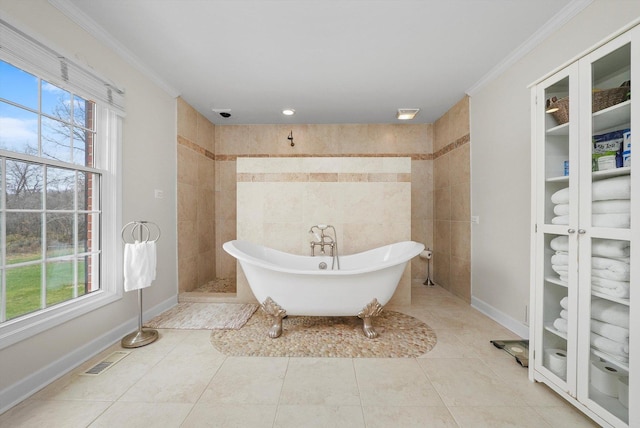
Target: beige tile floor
(182, 381)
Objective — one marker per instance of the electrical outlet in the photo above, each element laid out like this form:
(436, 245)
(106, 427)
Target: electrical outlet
(475, 219)
(159, 194)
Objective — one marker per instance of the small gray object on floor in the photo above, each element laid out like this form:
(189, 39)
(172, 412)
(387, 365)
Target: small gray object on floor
(518, 348)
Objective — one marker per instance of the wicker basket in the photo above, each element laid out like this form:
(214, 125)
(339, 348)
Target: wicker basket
(559, 109)
(610, 97)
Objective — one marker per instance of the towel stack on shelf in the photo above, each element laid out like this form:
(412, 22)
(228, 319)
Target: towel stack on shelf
(610, 328)
(611, 203)
(560, 323)
(609, 265)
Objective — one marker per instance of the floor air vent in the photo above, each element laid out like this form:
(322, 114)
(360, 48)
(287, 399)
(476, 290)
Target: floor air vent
(105, 364)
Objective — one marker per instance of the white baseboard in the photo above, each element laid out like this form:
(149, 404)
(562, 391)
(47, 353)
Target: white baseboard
(28, 386)
(501, 318)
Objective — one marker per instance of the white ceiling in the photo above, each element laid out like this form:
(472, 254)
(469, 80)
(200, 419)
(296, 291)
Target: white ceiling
(333, 61)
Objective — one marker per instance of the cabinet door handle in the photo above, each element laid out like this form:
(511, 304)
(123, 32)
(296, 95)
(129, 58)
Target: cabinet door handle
(582, 231)
(571, 230)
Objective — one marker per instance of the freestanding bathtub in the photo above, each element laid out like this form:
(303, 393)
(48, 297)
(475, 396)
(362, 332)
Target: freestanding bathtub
(288, 284)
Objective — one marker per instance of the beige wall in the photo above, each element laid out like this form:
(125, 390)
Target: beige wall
(366, 199)
(501, 162)
(452, 255)
(233, 141)
(196, 198)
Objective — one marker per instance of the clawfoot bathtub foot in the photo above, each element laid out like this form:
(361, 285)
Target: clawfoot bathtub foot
(277, 313)
(373, 309)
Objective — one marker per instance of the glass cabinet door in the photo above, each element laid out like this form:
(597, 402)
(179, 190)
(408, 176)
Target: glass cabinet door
(604, 229)
(556, 219)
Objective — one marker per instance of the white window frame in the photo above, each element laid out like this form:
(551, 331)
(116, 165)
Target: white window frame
(107, 155)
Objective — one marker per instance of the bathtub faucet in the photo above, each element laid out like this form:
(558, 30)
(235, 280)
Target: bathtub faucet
(325, 240)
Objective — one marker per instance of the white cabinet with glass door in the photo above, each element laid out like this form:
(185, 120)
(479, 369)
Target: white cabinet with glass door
(585, 324)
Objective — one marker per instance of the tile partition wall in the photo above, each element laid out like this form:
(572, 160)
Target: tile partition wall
(452, 212)
(196, 198)
(366, 199)
(234, 142)
(446, 141)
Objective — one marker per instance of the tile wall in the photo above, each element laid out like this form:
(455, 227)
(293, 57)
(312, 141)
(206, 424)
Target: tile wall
(196, 198)
(361, 140)
(366, 199)
(452, 213)
(440, 199)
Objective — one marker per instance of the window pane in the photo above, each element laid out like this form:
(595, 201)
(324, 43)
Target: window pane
(60, 281)
(82, 147)
(83, 112)
(59, 235)
(24, 241)
(56, 102)
(88, 236)
(56, 140)
(60, 188)
(88, 191)
(18, 130)
(88, 269)
(23, 290)
(18, 86)
(24, 185)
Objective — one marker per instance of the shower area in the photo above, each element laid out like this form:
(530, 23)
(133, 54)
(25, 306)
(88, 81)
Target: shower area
(214, 160)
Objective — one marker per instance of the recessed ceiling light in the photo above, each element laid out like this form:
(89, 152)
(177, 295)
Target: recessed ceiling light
(288, 112)
(407, 113)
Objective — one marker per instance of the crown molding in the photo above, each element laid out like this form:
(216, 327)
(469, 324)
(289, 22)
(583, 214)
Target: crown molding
(558, 20)
(72, 12)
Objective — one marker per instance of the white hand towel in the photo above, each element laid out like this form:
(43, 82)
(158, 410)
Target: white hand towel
(139, 265)
(610, 287)
(561, 219)
(611, 188)
(560, 243)
(560, 324)
(560, 269)
(619, 220)
(561, 209)
(561, 196)
(564, 303)
(609, 207)
(564, 314)
(610, 312)
(613, 332)
(609, 264)
(607, 274)
(606, 247)
(609, 346)
(561, 259)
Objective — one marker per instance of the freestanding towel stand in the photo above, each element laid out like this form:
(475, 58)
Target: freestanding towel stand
(140, 337)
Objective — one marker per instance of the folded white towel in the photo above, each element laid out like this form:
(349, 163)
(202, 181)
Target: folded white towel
(609, 264)
(561, 196)
(564, 278)
(610, 312)
(561, 243)
(605, 247)
(607, 274)
(560, 324)
(564, 314)
(560, 269)
(610, 331)
(564, 303)
(560, 258)
(561, 209)
(612, 206)
(622, 221)
(609, 346)
(139, 265)
(611, 188)
(561, 219)
(610, 287)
